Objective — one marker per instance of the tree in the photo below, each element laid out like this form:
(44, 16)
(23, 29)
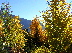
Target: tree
(2, 35)
(13, 33)
(2, 38)
(36, 36)
(36, 30)
(69, 31)
(15, 37)
(56, 24)
(33, 36)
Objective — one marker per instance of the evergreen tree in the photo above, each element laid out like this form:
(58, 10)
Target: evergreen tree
(56, 26)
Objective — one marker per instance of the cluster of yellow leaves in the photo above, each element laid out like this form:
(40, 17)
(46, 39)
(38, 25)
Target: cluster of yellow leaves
(1, 28)
(13, 33)
(34, 26)
(58, 12)
(37, 28)
(41, 49)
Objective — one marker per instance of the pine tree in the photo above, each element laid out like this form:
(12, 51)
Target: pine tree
(56, 26)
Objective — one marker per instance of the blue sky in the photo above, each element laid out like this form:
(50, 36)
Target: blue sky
(27, 8)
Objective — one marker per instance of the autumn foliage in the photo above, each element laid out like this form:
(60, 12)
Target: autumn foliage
(36, 30)
(55, 38)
